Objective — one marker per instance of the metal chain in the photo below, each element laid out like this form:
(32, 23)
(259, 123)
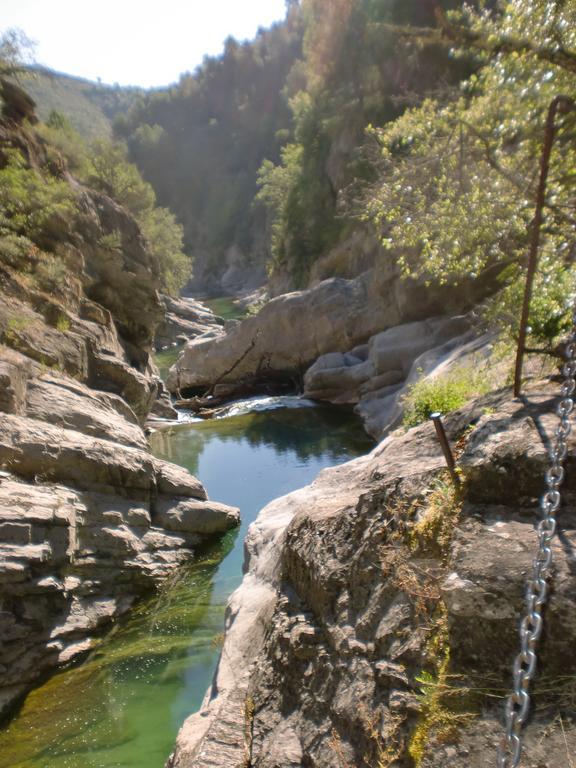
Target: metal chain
(524, 668)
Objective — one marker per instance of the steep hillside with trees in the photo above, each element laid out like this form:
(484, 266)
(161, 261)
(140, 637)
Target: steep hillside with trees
(356, 70)
(90, 107)
(103, 164)
(251, 150)
(454, 179)
(200, 144)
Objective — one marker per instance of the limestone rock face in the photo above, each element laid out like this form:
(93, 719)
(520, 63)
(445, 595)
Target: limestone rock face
(293, 330)
(376, 376)
(125, 280)
(82, 500)
(196, 516)
(12, 388)
(67, 403)
(352, 594)
(373, 376)
(87, 524)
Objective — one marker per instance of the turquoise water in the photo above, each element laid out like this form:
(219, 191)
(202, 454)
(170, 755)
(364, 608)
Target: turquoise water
(123, 706)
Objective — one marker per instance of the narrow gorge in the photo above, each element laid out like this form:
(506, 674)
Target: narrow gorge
(271, 489)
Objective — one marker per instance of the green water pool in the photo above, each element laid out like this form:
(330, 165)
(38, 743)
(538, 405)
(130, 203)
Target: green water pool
(123, 706)
(166, 359)
(226, 307)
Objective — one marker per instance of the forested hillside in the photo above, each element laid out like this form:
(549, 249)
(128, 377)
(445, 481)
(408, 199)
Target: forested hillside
(200, 144)
(358, 132)
(286, 112)
(90, 107)
(454, 179)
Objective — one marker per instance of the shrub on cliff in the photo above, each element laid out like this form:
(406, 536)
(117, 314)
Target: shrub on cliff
(30, 201)
(443, 394)
(103, 165)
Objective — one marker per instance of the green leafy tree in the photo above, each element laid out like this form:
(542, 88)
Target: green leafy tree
(32, 205)
(455, 187)
(16, 52)
(165, 238)
(355, 70)
(110, 171)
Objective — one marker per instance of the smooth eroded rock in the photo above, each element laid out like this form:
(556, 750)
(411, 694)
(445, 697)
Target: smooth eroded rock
(195, 516)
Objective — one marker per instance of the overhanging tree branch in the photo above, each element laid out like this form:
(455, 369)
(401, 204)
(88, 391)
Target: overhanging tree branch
(452, 34)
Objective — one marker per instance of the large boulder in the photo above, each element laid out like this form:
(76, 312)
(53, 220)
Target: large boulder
(192, 516)
(385, 361)
(293, 330)
(376, 377)
(184, 319)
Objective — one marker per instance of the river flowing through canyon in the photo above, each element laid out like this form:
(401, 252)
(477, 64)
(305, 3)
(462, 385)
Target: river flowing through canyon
(122, 707)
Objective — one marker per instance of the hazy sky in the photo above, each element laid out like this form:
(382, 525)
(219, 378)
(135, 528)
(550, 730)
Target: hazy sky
(134, 42)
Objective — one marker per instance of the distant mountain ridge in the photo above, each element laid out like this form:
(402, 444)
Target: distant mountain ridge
(90, 107)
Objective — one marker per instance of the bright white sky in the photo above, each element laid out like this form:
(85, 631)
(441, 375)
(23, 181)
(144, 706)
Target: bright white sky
(134, 42)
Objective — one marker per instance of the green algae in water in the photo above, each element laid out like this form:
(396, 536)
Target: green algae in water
(123, 706)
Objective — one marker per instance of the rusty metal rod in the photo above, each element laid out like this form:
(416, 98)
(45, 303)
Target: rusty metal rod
(445, 445)
(560, 104)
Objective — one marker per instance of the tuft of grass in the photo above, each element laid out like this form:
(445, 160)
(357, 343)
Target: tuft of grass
(444, 393)
(445, 706)
(386, 752)
(111, 241)
(52, 274)
(16, 325)
(434, 529)
(63, 324)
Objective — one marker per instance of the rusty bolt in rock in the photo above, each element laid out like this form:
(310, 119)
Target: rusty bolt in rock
(445, 445)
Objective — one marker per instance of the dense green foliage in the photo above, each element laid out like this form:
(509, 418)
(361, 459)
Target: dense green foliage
(109, 170)
(38, 207)
(29, 202)
(443, 394)
(34, 208)
(455, 177)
